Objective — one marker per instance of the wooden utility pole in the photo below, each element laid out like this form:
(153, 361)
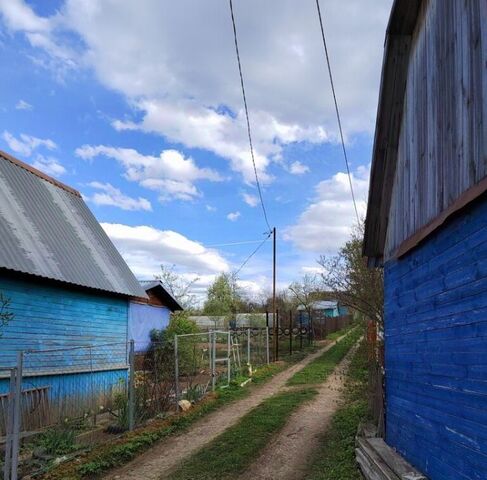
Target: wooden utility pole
(274, 314)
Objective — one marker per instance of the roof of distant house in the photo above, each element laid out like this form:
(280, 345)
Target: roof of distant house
(321, 305)
(47, 230)
(159, 289)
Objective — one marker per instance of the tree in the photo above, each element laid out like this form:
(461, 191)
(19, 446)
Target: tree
(304, 292)
(353, 283)
(178, 286)
(224, 296)
(5, 314)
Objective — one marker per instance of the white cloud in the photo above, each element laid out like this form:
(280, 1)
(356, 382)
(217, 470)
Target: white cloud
(171, 174)
(184, 82)
(326, 222)
(48, 165)
(233, 216)
(210, 208)
(145, 248)
(109, 195)
(23, 105)
(297, 168)
(26, 144)
(250, 200)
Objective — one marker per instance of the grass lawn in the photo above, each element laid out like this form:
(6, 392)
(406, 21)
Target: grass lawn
(235, 449)
(335, 459)
(318, 370)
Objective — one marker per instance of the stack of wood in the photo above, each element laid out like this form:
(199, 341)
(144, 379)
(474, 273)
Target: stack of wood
(378, 461)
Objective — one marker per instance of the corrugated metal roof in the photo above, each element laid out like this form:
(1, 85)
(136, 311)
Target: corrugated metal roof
(47, 230)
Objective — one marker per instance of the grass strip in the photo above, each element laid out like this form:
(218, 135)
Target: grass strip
(234, 450)
(318, 370)
(336, 335)
(335, 459)
(121, 450)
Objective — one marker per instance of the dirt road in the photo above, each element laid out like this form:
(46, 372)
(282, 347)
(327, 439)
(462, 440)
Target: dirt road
(167, 454)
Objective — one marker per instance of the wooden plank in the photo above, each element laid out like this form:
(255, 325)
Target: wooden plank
(442, 148)
(397, 464)
(377, 464)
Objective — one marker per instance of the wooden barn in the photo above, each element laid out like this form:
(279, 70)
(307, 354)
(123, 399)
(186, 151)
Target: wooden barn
(427, 226)
(68, 288)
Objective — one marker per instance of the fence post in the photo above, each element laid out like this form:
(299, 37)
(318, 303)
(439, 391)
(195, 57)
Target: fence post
(248, 347)
(310, 328)
(290, 332)
(17, 415)
(267, 344)
(9, 433)
(176, 372)
(213, 365)
(131, 391)
(276, 320)
(300, 330)
(210, 359)
(229, 372)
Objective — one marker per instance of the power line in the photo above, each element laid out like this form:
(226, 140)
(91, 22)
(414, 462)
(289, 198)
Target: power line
(336, 108)
(252, 254)
(247, 115)
(230, 244)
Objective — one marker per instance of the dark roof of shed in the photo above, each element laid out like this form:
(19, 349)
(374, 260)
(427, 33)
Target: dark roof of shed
(401, 26)
(47, 230)
(166, 297)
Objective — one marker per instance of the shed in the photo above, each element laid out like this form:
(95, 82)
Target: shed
(327, 308)
(67, 285)
(426, 225)
(150, 313)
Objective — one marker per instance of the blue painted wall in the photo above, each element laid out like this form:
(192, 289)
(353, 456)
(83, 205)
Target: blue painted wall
(436, 350)
(142, 319)
(48, 317)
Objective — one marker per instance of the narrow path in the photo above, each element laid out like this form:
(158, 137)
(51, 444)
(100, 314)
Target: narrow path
(286, 457)
(168, 453)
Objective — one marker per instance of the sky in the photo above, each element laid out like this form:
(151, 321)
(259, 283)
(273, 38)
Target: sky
(138, 105)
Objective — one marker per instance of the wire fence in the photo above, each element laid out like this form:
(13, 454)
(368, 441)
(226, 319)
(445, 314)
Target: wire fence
(57, 402)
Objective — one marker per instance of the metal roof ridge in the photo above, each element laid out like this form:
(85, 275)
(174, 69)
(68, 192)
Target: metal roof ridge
(38, 173)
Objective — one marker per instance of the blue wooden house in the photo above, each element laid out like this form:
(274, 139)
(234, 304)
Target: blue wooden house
(426, 226)
(69, 288)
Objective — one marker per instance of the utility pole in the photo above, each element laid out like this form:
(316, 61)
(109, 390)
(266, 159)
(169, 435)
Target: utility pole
(274, 315)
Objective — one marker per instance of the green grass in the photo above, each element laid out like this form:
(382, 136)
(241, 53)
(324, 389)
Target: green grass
(124, 449)
(335, 459)
(235, 449)
(336, 335)
(318, 370)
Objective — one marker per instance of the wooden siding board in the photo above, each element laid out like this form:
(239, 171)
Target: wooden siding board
(442, 149)
(47, 317)
(435, 344)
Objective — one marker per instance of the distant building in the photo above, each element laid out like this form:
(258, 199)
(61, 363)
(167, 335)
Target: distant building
(151, 313)
(427, 226)
(240, 320)
(327, 308)
(68, 286)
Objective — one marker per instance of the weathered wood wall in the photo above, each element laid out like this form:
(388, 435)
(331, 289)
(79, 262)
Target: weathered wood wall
(47, 317)
(443, 140)
(435, 350)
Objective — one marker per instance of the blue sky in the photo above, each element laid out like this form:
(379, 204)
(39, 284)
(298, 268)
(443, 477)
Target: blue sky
(137, 105)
